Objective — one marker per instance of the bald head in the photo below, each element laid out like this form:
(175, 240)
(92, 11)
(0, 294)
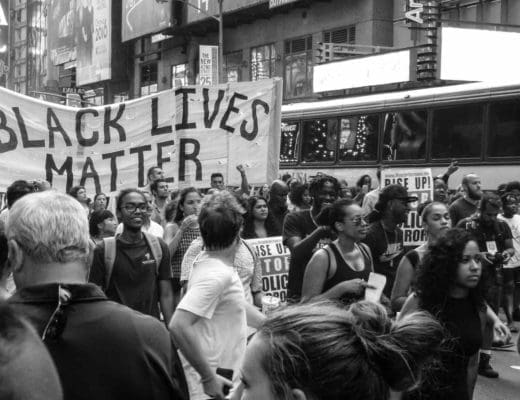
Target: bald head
(278, 195)
(472, 186)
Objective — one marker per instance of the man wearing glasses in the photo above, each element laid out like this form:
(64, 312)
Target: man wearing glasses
(139, 276)
(102, 350)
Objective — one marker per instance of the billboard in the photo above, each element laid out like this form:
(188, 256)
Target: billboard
(142, 17)
(93, 26)
(202, 9)
(4, 39)
(60, 31)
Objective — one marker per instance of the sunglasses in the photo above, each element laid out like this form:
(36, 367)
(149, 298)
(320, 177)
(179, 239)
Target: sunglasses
(56, 324)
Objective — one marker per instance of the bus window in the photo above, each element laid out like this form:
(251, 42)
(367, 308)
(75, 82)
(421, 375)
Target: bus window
(504, 129)
(289, 142)
(405, 135)
(457, 131)
(358, 138)
(319, 140)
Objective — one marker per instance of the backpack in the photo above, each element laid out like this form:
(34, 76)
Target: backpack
(110, 254)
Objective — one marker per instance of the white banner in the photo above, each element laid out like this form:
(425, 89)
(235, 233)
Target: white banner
(93, 32)
(274, 257)
(190, 132)
(419, 183)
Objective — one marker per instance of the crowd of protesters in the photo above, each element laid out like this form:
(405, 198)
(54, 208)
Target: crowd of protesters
(156, 294)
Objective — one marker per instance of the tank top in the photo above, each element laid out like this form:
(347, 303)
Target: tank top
(345, 272)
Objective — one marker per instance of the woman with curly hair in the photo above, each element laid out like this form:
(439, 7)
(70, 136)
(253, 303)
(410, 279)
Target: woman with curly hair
(449, 287)
(320, 351)
(299, 196)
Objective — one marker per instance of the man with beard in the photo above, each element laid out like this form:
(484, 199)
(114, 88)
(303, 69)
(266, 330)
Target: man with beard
(140, 274)
(494, 239)
(384, 236)
(277, 205)
(302, 235)
(468, 204)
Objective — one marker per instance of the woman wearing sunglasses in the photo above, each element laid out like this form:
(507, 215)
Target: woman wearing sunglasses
(449, 288)
(341, 269)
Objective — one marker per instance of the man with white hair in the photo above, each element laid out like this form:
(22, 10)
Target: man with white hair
(102, 350)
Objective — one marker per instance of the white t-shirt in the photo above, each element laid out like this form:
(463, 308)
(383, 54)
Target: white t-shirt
(215, 294)
(514, 225)
(153, 229)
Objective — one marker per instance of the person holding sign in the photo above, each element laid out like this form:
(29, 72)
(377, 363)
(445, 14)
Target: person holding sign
(435, 222)
(320, 351)
(340, 270)
(256, 222)
(384, 237)
(449, 287)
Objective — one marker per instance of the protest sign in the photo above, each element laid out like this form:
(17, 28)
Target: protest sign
(190, 132)
(274, 257)
(419, 183)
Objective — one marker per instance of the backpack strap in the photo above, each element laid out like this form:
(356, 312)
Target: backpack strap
(155, 248)
(110, 258)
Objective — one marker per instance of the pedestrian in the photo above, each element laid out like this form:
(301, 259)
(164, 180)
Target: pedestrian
(102, 350)
(341, 269)
(303, 235)
(133, 268)
(209, 324)
(183, 231)
(323, 352)
(435, 222)
(257, 223)
(161, 195)
(494, 239)
(299, 196)
(80, 194)
(448, 287)
(102, 224)
(466, 205)
(15, 191)
(6, 288)
(384, 237)
(277, 204)
(100, 202)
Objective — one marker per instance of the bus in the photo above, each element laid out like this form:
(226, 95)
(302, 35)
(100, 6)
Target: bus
(477, 124)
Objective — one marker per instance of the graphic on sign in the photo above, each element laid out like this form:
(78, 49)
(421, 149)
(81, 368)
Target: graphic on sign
(274, 257)
(208, 65)
(419, 183)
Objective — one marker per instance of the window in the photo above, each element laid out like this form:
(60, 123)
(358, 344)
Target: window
(319, 140)
(298, 67)
(263, 59)
(405, 135)
(121, 97)
(457, 131)
(504, 129)
(179, 75)
(233, 66)
(343, 35)
(148, 79)
(289, 142)
(358, 138)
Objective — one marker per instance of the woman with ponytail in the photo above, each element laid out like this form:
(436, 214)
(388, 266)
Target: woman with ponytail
(449, 288)
(322, 352)
(340, 270)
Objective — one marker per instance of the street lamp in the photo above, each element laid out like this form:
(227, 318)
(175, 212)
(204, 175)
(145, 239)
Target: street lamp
(220, 20)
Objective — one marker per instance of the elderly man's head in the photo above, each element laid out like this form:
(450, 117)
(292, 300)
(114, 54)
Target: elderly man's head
(45, 231)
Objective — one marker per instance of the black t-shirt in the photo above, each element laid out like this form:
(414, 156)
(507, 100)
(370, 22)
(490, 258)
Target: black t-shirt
(299, 224)
(460, 209)
(135, 277)
(387, 249)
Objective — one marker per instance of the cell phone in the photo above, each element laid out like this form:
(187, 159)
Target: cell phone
(378, 281)
(228, 374)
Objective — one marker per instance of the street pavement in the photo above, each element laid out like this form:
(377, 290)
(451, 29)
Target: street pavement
(507, 386)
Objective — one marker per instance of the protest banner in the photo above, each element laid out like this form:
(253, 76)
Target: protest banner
(418, 182)
(274, 257)
(190, 132)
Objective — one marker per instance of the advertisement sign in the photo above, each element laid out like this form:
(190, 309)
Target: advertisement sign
(142, 17)
(190, 132)
(274, 257)
(60, 31)
(202, 9)
(419, 183)
(208, 65)
(93, 26)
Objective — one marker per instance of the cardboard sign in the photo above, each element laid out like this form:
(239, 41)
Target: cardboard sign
(419, 183)
(190, 132)
(274, 257)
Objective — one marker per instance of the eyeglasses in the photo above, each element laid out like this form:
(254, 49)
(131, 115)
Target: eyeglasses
(56, 324)
(131, 207)
(359, 221)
